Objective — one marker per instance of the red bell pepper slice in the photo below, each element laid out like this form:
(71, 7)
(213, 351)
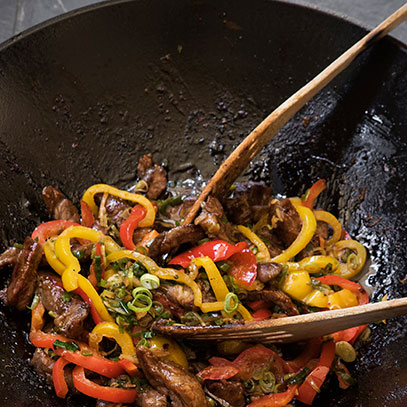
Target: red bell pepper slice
(93, 278)
(91, 389)
(218, 373)
(261, 314)
(256, 305)
(311, 351)
(243, 267)
(216, 250)
(130, 368)
(87, 216)
(363, 297)
(314, 191)
(252, 359)
(93, 311)
(313, 382)
(46, 340)
(49, 229)
(95, 363)
(58, 378)
(128, 227)
(276, 399)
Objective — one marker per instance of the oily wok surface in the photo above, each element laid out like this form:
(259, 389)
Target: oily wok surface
(84, 96)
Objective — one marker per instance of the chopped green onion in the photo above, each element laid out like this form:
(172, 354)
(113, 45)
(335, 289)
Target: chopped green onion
(143, 342)
(123, 306)
(300, 377)
(86, 352)
(157, 307)
(66, 296)
(148, 334)
(18, 245)
(202, 241)
(267, 382)
(249, 385)
(78, 253)
(224, 267)
(150, 281)
(141, 303)
(35, 302)
(72, 346)
(231, 303)
(171, 201)
(141, 250)
(141, 290)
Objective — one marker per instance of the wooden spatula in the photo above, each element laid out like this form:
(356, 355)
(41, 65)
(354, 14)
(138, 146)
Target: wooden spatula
(290, 329)
(234, 165)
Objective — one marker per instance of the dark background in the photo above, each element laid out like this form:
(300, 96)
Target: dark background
(18, 15)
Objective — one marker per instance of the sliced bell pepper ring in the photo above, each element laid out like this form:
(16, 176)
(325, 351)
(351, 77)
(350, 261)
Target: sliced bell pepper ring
(351, 269)
(128, 227)
(46, 340)
(52, 259)
(309, 225)
(276, 399)
(331, 220)
(58, 378)
(88, 197)
(87, 216)
(261, 314)
(216, 250)
(218, 373)
(313, 382)
(263, 252)
(243, 268)
(96, 363)
(91, 389)
(49, 229)
(314, 191)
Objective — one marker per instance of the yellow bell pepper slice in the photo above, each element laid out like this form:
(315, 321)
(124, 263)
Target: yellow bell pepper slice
(175, 353)
(52, 259)
(263, 254)
(342, 299)
(112, 330)
(90, 291)
(309, 225)
(88, 197)
(317, 298)
(331, 220)
(351, 268)
(315, 264)
(297, 284)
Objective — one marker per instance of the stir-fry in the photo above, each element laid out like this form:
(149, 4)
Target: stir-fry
(98, 282)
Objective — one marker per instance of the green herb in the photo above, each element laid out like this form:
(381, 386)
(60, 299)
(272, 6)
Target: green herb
(139, 270)
(66, 296)
(86, 352)
(224, 267)
(72, 346)
(124, 308)
(34, 303)
(103, 283)
(299, 377)
(143, 342)
(224, 219)
(97, 266)
(18, 245)
(79, 253)
(148, 334)
(202, 241)
(171, 201)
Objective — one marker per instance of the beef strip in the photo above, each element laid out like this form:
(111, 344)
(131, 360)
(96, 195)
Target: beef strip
(153, 174)
(272, 242)
(322, 231)
(43, 364)
(9, 257)
(213, 221)
(180, 294)
(268, 271)
(23, 280)
(58, 205)
(275, 296)
(166, 242)
(180, 212)
(151, 398)
(70, 314)
(230, 391)
(171, 379)
(116, 208)
(289, 224)
(103, 403)
(248, 203)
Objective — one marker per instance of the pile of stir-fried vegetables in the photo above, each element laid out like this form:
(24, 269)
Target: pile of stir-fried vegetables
(124, 288)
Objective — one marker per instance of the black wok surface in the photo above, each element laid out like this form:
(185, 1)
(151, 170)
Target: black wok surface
(82, 98)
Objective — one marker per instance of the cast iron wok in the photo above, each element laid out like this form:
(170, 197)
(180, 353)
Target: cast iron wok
(82, 97)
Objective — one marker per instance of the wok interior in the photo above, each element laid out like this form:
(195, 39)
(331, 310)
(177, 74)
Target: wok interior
(82, 99)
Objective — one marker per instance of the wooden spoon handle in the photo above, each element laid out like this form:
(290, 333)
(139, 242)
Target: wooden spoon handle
(235, 164)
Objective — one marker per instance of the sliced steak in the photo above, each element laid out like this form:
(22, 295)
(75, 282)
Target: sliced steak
(232, 392)
(180, 212)
(153, 174)
(171, 379)
(151, 398)
(213, 221)
(9, 257)
(274, 296)
(289, 223)
(117, 209)
(43, 364)
(274, 245)
(23, 280)
(166, 242)
(58, 205)
(248, 203)
(268, 271)
(71, 314)
(180, 294)
(322, 232)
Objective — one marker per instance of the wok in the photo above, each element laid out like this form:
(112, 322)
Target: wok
(84, 95)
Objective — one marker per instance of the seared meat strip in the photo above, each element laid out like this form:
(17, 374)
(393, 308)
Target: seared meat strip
(232, 392)
(180, 294)
(153, 174)
(248, 203)
(24, 277)
(70, 314)
(275, 296)
(289, 225)
(171, 379)
(213, 221)
(165, 242)
(321, 232)
(58, 205)
(151, 398)
(117, 209)
(9, 257)
(268, 271)
(43, 364)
